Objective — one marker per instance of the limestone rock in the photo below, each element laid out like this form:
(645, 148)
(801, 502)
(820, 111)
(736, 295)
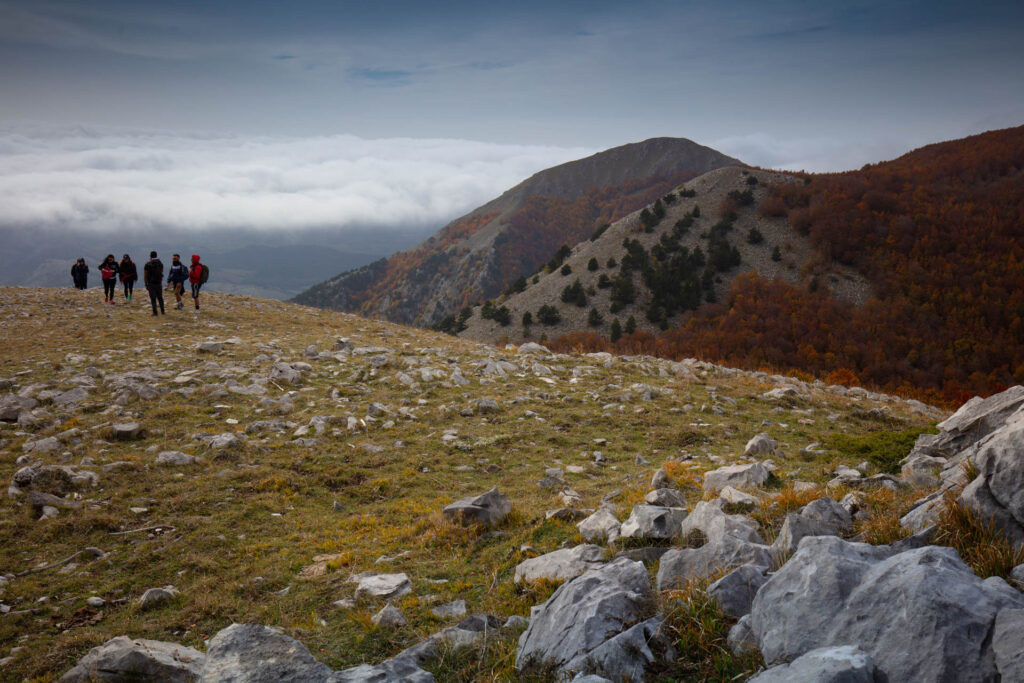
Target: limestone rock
(13, 405)
(653, 521)
(842, 664)
(456, 608)
(251, 653)
(665, 498)
(738, 498)
(602, 525)
(127, 659)
(1008, 644)
(736, 590)
(560, 565)
(383, 586)
(209, 347)
(725, 552)
(389, 617)
(488, 508)
(760, 445)
(585, 613)
(175, 458)
(737, 476)
(741, 640)
(533, 348)
(155, 597)
(832, 593)
(709, 519)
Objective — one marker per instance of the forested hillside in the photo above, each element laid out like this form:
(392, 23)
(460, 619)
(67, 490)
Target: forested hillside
(938, 233)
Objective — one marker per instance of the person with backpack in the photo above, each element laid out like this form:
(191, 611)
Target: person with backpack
(198, 274)
(153, 276)
(129, 274)
(176, 277)
(108, 271)
(80, 274)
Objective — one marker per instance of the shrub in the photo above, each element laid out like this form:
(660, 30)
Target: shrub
(696, 211)
(622, 292)
(595, 319)
(559, 257)
(687, 193)
(518, 286)
(503, 316)
(751, 180)
(604, 282)
(630, 325)
(527, 319)
(566, 269)
(745, 198)
(772, 207)
(616, 330)
(548, 315)
(611, 262)
(755, 236)
(592, 264)
(776, 254)
(600, 231)
(574, 294)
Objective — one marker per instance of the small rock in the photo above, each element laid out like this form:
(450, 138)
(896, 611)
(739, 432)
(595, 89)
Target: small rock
(157, 596)
(452, 609)
(389, 617)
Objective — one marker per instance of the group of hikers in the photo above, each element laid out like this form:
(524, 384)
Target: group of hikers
(152, 277)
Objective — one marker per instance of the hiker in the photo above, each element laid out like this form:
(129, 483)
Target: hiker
(197, 276)
(176, 277)
(80, 274)
(153, 276)
(129, 274)
(108, 269)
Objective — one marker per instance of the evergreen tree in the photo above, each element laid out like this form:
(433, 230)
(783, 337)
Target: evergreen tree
(592, 264)
(616, 330)
(595, 319)
(630, 325)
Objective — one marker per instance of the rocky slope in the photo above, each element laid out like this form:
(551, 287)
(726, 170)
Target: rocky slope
(265, 491)
(595, 264)
(479, 254)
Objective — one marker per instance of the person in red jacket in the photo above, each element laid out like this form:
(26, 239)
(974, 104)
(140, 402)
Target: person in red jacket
(129, 274)
(108, 269)
(195, 278)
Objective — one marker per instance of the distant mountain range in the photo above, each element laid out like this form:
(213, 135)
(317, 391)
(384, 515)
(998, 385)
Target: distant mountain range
(480, 254)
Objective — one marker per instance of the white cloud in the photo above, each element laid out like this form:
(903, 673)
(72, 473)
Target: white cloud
(819, 154)
(100, 179)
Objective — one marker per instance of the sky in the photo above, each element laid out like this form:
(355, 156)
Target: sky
(325, 114)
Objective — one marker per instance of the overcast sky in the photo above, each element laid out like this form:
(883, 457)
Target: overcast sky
(311, 113)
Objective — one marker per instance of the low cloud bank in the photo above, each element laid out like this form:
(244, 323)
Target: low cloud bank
(104, 180)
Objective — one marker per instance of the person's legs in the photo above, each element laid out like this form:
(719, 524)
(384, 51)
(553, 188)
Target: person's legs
(154, 292)
(195, 294)
(108, 289)
(129, 288)
(179, 289)
(160, 297)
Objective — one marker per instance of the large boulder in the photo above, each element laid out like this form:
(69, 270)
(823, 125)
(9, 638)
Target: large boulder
(843, 664)
(822, 517)
(488, 508)
(12, 406)
(760, 445)
(680, 565)
(1008, 644)
(736, 476)
(653, 521)
(922, 614)
(584, 614)
(1000, 463)
(709, 519)
(560, 565)
(735, 591)
(128, 659)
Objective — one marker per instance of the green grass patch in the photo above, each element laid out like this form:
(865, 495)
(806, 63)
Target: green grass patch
(882, 449)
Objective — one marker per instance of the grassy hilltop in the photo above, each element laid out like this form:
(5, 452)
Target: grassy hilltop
(270, 529)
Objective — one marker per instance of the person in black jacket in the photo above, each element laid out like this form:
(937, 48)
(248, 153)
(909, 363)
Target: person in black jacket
(108, 270)
(80, 274)
(176, 276)
(153, 275)
(129, 274)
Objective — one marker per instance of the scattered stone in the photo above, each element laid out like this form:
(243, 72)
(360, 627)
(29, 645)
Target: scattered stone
(680, 565)
(842, 664)
(652, 521)
(661, 480)
(560, 565)
(389, 617)
(127, 659)
(451, 609)
(175, 458)
(251, 653)
(709, 519)
(154, 597)
(209, 347)
(737, 476)
(760, 445)
(737, 498)
(602, 525)
(665, 498)
(382, 586)
(489, 509)
(1008, 644)
(95, 601)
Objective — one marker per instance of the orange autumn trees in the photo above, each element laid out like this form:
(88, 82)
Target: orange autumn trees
(938, 232)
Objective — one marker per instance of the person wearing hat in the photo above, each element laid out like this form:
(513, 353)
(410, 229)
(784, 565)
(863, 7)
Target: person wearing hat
(153, 275)
(196, 277)
(128, 274)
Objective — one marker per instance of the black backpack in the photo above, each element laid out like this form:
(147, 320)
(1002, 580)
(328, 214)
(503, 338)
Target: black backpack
(204, 275)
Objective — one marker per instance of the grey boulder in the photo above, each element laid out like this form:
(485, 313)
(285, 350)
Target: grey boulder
(922, 615)
(680, 565)
(175, 458)
(653, 521)
(735, 591)
(251, 653)
(822, 517)
(602, 525)
(1008, 644)
(560, 565)
(841, 664)
(737, 476)
(583, 614)
(670, 498)
(127, 659)
(709, 519)
(488, 508)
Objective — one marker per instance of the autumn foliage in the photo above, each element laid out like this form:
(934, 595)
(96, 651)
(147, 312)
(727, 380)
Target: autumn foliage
(938, 232)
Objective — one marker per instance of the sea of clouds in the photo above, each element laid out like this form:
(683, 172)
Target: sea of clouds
(99, 179)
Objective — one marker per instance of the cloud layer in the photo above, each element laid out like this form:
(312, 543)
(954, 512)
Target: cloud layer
(100, 180)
